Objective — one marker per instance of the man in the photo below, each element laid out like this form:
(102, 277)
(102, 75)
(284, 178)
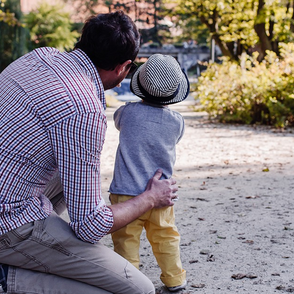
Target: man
(52, 129)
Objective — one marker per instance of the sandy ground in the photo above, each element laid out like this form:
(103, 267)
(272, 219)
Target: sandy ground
(235, 213)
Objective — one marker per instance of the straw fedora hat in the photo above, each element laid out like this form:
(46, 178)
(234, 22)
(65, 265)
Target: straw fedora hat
(160, 80)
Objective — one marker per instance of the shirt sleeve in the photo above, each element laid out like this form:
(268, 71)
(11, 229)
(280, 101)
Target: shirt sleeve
(182, 128)
(77, 143)
(117, 116)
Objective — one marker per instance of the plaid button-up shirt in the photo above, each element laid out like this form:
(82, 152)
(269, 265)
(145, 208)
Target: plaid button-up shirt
(52, 117)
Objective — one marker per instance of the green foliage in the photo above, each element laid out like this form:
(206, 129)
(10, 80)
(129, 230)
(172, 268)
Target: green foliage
(250, 91)
(238, 26)
(50, 26)
(192, 29)
(9, 18)
(225, 21)
(10, 12)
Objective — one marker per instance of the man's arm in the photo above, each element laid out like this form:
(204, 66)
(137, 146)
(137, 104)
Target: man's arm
(77, 143)
(158, 194)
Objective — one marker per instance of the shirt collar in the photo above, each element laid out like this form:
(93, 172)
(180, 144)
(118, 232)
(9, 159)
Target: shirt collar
(82, 58)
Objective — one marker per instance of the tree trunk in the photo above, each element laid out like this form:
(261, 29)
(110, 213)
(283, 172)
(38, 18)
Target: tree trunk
(213, 30)
(223, 47)
(259, 27)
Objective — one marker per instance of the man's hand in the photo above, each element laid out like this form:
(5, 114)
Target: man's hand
(159, 193)
(162, 191)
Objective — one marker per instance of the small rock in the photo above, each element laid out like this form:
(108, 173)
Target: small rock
(204, 252)
(198, 285)
(240, 276)
(210, 258)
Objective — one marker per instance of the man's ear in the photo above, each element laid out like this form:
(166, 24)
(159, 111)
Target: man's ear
(122, 67)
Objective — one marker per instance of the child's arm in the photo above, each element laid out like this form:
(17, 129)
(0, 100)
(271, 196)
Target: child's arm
(182, 129)
(117, 116)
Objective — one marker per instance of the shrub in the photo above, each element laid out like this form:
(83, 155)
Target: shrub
(250, 91)
(50, 26)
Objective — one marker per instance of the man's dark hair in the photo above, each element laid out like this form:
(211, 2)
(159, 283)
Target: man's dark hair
(109, 39)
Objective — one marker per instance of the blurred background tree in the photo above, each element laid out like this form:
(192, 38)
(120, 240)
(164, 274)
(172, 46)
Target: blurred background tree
(235, 26)
(85, 8)
(12, 33)
(149, 15)
(50, 26)
(263, 31)
(239, 26)
(47, 25)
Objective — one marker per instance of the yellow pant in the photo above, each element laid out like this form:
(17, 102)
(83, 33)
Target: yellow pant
(162, 235)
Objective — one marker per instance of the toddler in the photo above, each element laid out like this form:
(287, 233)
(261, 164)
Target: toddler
(149, 132)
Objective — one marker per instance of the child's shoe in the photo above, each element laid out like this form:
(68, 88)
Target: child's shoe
(178, 288)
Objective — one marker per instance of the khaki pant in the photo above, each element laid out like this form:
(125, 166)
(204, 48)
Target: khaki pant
(162, 235)
(45, 257)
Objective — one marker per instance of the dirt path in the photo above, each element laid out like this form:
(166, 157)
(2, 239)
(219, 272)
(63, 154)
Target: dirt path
(236, 207)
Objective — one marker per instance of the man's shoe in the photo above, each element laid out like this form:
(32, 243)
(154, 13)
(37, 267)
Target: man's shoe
(3, 276)
(178, 288)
